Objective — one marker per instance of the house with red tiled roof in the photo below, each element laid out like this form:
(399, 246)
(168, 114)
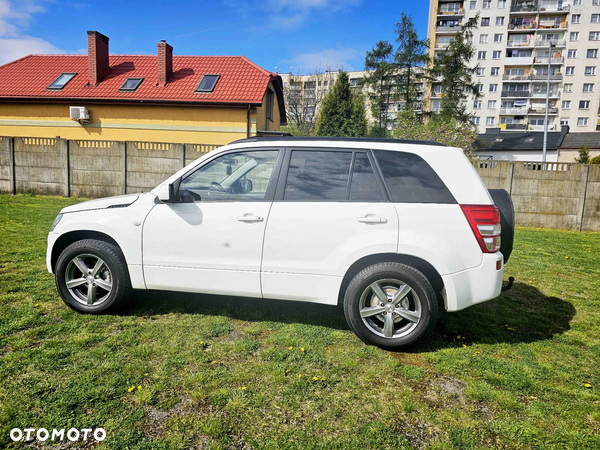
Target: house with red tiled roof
(155, 98)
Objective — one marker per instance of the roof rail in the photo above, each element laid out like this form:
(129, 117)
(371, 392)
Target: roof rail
(335, 139)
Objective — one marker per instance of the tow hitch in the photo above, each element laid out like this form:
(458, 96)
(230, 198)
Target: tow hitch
(511, 280)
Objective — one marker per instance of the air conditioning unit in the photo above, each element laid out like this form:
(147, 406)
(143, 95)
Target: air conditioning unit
(79, 113)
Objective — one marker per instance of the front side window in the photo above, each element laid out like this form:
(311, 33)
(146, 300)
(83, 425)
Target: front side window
(410, 179)
(242, 176)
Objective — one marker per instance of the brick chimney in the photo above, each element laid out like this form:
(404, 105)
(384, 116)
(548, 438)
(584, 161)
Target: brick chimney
(165, 63)
(98, 64)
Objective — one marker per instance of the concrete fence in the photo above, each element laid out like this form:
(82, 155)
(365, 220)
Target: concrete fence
(560, 195)
(89, 168)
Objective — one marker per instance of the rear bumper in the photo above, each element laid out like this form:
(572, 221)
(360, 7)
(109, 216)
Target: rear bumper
(479, 284)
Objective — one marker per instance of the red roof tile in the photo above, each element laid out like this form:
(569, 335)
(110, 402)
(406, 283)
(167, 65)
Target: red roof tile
(241, 82)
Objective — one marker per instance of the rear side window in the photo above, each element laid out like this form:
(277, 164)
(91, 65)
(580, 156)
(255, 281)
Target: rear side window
(410, 179)
(318, 176)
(364, 187)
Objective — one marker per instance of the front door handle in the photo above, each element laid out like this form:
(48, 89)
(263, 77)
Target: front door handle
(369, 218)
(250, 218)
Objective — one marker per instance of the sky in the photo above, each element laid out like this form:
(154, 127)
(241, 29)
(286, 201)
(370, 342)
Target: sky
(298, 36)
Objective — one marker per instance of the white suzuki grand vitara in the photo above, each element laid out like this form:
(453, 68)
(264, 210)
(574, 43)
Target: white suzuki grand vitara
(392, 229)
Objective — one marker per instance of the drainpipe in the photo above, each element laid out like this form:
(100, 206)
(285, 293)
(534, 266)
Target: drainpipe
(248, 122)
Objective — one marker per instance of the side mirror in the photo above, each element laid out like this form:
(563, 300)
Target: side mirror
(166, 193)
(246, 186)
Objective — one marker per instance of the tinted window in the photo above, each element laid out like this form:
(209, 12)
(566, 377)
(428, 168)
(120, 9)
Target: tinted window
(242, 176)
(364, 187)
(410, 179)
(318, 176)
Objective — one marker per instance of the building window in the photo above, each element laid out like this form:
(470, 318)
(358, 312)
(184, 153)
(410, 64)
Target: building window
(496, 54)
(584, 104)
(483, 39)
(493, 88)
(570, 70)
(495, 71)
(576, 18)
(595, 2)
(566, 104)
(501, 4)
(481, 55)
(582, 122)
(576, 2)
(595, 18)
(480, 71)
(485, 21)
(487, 4)
(480, 87)
(594, 35)
(131, 84)
(592, 53)
(499, 20)
(590, 70)
(61, 81)
(568, 87)
(490, 121)
(498, 37)
(564, 121)
(571, 54)
(574, 36)
(477, 104)
(473, 5)
(492, 104)
(588, 87)
(476, 120)
(208, 83)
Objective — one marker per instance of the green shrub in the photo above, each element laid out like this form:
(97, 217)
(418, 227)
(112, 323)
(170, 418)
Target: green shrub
(595, 160)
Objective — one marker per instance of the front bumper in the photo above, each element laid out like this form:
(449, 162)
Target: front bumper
(52, 237)
(479, 284)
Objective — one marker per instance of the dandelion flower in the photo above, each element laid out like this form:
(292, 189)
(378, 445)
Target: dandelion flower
(213, 362)
(243, 388)
(37, 304)
(145, 374)
(464, 345)
(302, 349)
(322, 379)
(478, 352)
(315, 378)
(588, 385)
(289, 348)
(458, 337)
(299, 375)
(201, 342)
(139, 388)
(566, 257)
(130, 389)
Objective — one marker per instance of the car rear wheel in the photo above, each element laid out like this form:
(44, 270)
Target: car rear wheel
(92, 277)
(391, 305)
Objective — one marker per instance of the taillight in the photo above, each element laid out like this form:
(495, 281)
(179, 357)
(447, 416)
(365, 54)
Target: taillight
(485, 223)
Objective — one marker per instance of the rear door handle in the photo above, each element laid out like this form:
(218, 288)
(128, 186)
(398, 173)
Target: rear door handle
(372, 219)
(250, 218)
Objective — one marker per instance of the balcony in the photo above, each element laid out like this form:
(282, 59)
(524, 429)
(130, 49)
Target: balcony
(446, 12)
(529, 7)
(519, 44)
(546, 43)
(553, 94)
(552, 26)
(441, 45)
(544, 60)
(515, 94)
(446, 30)
(516, 77)
(542, 77)
(530, 26)
(542, 111)
(518, 61)
(555, 9)
(551, 127)
(513, 111)
(515, 126)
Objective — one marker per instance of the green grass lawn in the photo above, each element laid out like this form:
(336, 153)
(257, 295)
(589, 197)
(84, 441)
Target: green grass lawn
(221, 372)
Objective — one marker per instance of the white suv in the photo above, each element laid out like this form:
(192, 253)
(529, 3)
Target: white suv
(391, 229)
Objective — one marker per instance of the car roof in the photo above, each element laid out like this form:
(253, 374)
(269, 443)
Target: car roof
(339, 140)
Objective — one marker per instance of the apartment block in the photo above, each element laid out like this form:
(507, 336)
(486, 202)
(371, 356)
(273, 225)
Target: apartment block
(519, 44)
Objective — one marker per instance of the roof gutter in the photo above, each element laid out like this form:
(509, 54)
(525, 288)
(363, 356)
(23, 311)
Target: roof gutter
(113, 101)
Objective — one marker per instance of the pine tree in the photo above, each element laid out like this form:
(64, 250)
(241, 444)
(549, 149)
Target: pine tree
(584, 156)
(381, 68)
(342, 113)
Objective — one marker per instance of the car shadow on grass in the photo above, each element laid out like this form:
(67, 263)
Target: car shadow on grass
(522, 314)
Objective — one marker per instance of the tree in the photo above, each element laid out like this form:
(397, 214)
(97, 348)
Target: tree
(411, 60)
(584, 156)
(452, 72)
(342, 113)
(381, 67)
(595, 160)
(439, 129)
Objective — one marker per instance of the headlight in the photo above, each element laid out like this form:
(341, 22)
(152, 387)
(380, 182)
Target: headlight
(55, 222)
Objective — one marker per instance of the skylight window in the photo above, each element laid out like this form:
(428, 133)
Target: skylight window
(131, 84)
(61, 81)
(208, 83)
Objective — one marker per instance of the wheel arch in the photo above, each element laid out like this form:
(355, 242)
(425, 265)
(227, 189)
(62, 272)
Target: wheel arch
(418, 263)
(73, 236)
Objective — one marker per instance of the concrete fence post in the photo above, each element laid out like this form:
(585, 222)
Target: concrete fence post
(62, 145)
(585, 171)
(11, 165)
(180, 151)
(509, 176)
(123, 146)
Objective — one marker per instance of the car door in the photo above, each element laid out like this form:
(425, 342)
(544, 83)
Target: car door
(330, 210)
(210, 240)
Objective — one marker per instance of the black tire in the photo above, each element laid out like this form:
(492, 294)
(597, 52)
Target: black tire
(114, 261)
(425, 296)
(507, 220)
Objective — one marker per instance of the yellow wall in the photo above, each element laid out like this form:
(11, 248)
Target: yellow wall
(181, 124)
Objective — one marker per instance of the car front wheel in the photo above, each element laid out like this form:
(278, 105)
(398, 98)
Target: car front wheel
(92, 277)
(391, 305)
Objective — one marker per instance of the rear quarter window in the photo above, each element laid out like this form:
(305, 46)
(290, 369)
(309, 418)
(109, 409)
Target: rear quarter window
(410, 179)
